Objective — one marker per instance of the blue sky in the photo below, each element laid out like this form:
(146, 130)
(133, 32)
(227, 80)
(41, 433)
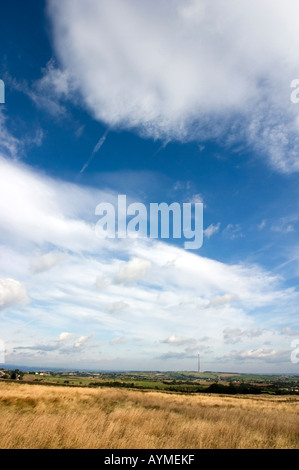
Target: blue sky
(178, 102)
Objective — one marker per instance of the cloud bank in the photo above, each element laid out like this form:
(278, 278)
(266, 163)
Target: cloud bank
(128, 289)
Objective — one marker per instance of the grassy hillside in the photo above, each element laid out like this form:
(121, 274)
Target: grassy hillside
(42, 416)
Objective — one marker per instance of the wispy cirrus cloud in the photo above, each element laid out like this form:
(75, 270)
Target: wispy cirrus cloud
(9, 145)
(49, 92)
(285, 224)
(211, 230)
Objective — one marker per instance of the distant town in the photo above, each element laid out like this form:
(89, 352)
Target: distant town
(180, 381)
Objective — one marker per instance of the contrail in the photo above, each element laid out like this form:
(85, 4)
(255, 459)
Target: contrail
(95, 150)
(165, 143)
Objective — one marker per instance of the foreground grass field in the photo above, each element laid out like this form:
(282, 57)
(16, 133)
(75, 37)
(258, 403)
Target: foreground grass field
(41, 416)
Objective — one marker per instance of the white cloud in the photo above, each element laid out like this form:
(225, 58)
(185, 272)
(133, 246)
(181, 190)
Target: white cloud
(81, 341)
(177, 340)
(101, 282)
(53, 80)
(64, 336)
(265, 355)
(260, 353)
(12, 292)
(8, 143)
(66, 343)
(233, 231)
(290, 331)
(45, 262)
(186, 70)
(285, 224)
(235, 335)
(222, 300)
(14, 147)
(48, 92)
(283, 229)
(52, 211)
(117, 306)
(211, 230)
(119, 340)
(132, 271)
(262, 225)
(177, 355)
(196, 198)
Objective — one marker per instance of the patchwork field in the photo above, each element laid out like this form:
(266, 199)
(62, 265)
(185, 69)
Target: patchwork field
(62, 417)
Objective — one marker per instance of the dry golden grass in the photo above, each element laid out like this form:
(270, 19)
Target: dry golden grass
(46, 417)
